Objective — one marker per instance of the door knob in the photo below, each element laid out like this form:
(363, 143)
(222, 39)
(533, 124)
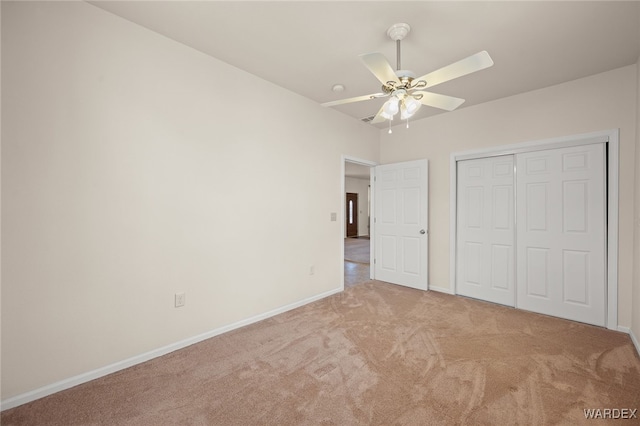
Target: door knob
(422, 231)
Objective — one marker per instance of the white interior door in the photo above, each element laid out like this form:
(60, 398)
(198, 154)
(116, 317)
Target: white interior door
(561, 233)
(401, 219)
(485, 229)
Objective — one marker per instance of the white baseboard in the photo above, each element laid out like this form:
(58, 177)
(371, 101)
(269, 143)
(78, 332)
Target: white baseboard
(138, 359)
(635, 341)
(624, 329)
(442, 290)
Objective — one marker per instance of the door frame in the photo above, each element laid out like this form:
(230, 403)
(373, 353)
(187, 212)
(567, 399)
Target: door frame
(611, 139)
(343, 205)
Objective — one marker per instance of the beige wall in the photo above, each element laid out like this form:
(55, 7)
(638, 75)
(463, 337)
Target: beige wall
(600, 102)
(128, 174)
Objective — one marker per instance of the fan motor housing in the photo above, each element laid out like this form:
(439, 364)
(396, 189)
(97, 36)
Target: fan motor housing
(405, 77)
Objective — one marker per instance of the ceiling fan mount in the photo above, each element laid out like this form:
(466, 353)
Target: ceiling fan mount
(398, 32)
(403, 87)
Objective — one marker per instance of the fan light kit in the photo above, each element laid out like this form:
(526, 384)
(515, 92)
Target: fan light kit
(404, 89)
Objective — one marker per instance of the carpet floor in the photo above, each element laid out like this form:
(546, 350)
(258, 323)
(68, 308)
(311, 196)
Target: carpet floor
(375, 354)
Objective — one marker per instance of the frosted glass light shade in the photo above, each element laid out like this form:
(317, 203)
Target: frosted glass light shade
(412, 105)
(390, 108)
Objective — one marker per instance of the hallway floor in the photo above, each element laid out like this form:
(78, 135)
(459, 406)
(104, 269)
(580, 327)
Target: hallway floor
(356, 261)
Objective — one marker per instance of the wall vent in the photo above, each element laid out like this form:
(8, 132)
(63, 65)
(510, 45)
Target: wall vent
(367, 119)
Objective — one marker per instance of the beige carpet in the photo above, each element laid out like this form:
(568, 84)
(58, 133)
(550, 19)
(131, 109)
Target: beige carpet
(376, 354)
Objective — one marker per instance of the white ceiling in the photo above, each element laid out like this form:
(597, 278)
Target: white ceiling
(307, 46)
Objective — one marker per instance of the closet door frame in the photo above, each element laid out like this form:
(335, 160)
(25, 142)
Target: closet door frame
(611, 140)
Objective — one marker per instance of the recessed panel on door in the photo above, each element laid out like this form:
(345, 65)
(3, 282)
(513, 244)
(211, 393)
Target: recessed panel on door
(575, 277)
(500, 256)
(536, 262)
(411, 202)
(388, 255)
(388, 208)
(474, 209)
(575, 195)
(501, 219)
(411, 261)
(536, 200)
(473, 258)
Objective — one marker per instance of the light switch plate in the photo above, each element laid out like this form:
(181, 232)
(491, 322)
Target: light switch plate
(180, 299)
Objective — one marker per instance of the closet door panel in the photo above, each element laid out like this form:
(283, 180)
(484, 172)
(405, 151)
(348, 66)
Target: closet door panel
(485, 229)
(561, 244)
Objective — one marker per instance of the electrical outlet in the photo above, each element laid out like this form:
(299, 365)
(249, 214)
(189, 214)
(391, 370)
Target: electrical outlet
(312, 269)
(180, 299)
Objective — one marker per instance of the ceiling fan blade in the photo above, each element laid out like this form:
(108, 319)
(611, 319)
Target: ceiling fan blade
(380, 67)
(356, 99)
(473, 63)
(445, 102)
(378, 118)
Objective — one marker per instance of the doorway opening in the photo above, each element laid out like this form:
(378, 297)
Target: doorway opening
(357, 222)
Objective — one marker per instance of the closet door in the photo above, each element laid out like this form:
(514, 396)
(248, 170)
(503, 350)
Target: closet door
(561, 233)
(485, 229)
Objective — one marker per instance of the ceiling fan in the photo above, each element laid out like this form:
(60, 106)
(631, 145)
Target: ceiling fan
(404, 88)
